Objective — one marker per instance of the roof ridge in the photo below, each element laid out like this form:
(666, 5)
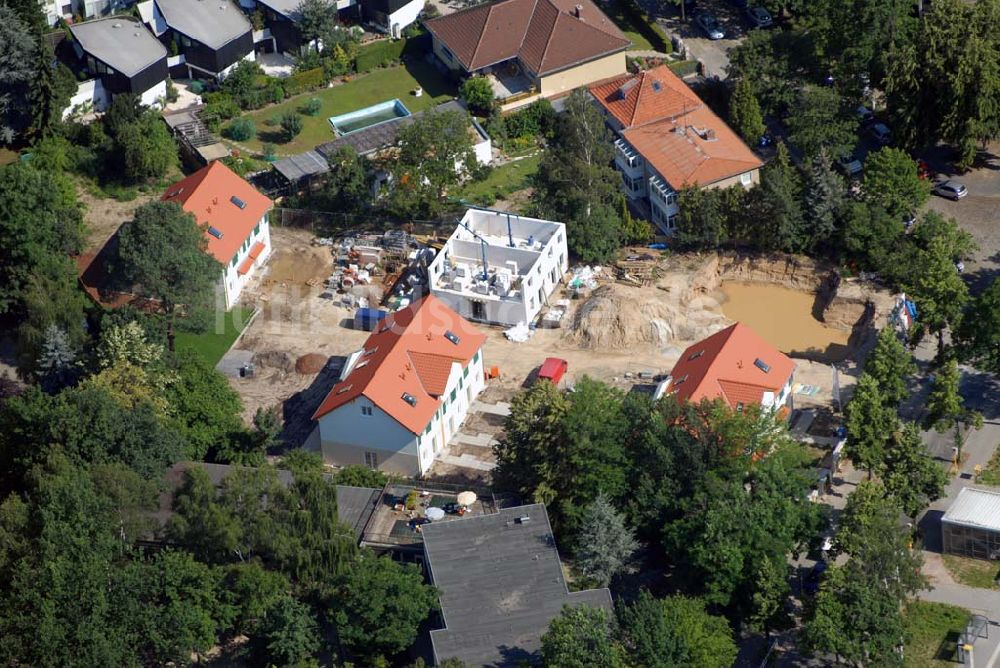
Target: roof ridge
(486, 23)
(552, 32)
(527, 28)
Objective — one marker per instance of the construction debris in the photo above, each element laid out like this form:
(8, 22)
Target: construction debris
(519, 333)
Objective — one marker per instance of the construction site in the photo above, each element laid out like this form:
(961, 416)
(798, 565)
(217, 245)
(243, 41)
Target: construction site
(625, 323)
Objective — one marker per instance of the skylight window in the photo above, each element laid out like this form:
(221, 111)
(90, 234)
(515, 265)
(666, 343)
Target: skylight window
(238, 202)
(410, 399)
(680, 380)
(696, 355)
(345, 388)
(369, 353)
(215, 231)
(450, 335)
(656, 86)
(361, 364)
(762, 365)
(175, 193)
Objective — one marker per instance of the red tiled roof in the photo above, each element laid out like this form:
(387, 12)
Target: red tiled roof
(409, 353)
(673, 130)
(724, 365)
(547, 35)
(208, 195)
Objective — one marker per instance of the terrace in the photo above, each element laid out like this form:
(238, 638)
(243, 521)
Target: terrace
(391, 525)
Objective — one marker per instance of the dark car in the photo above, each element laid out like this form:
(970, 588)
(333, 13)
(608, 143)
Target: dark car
(710, 26)
(759, 17)
(812, 581)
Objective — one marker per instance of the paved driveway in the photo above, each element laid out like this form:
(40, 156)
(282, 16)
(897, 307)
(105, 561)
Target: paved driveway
(714, 54)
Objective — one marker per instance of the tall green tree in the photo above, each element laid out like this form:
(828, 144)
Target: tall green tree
(871, 421)
(821, 119)
(478, 94)
(892, 182)
(890, 365)
(744, 112)
(162, 255)
(205, 409)
(580, 637)
(824, 195)
(937, 288)
(577, 184)
(870, 235)
(52, 88)
(375, 589)
(911, 476)
(348, 186)
(605, 543)
(434, 154)
(18, 49)
(780, 205)
(857, 616)
(945, 405)
(977, 338)
(318, 21)
(146, 148)
(289, 635)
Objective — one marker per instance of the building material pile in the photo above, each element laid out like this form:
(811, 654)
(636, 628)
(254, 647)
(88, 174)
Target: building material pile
(615, 317)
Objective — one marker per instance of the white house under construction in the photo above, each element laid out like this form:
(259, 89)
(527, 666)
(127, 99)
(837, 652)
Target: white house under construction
(499, 267)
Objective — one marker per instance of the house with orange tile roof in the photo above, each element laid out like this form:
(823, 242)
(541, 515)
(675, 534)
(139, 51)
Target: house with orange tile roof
(735, 365)
(531, 48)
(235, 219)
(668, 139)
(403, 396)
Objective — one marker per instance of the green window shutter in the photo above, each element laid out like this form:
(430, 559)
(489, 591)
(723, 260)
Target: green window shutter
(453, 393)
(256, 229)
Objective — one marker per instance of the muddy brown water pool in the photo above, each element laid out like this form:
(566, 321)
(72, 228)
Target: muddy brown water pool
(784, 318)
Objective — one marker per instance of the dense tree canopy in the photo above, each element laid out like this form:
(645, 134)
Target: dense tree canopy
(580, 637)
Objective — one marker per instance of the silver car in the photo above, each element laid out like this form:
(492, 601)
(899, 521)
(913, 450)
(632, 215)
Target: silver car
(951, 189)
(709, 25)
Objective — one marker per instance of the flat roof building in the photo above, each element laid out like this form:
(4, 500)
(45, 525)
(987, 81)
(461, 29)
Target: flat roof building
(499, 267)
(971, 526)
(501, 583)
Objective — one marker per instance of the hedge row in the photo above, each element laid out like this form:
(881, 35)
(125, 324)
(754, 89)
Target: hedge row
(300, 82)
(683, 68)
(646, 26)
(379, 54)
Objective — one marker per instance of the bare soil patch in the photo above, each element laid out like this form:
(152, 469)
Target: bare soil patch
(104, 216)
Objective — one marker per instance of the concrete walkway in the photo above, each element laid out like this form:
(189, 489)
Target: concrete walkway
(466, 461)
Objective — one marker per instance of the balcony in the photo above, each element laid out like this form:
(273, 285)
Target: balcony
(628, 160)
(662, 195)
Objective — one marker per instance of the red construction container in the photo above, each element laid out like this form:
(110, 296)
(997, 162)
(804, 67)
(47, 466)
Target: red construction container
(553, 369)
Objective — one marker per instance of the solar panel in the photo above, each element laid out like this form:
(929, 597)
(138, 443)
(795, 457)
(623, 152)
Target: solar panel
(215, 232)
(238, 202)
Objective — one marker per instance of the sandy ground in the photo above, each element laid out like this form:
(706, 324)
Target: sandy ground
(103, 216)
(293, 321)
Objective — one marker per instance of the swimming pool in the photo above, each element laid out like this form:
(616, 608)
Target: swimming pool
(365, 118)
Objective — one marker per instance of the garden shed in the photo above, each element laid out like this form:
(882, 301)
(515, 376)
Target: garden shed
(971, 527)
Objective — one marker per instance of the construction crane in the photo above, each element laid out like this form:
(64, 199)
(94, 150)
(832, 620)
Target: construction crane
(483, 246)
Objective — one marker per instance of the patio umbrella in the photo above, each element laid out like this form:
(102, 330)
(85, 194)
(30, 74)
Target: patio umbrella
(435, 513)
(466, 498)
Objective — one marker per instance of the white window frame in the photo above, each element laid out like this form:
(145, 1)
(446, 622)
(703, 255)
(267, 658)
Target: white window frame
(746, 178)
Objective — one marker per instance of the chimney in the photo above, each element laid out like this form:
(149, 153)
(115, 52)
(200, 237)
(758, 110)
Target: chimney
(578, 11)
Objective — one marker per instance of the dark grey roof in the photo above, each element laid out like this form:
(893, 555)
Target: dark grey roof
(289, 8)
(120, 42)
(377, 137)
(214, 23)
(355, 506)
(303, 165)
(501, 584)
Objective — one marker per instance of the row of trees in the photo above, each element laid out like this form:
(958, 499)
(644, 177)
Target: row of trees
(674, 472)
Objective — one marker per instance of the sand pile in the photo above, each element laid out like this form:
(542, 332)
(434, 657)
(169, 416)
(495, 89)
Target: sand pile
(616, 316)
(310, 364)
(274, 359)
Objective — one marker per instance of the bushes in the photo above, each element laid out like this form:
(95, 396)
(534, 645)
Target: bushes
(522, 129)
(242, 129)
(478, 94)
(312, 107)
(292, 125)
(300, 82)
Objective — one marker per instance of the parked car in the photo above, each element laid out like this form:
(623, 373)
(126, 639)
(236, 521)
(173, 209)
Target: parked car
(880, 133)
(865, 114)
(759, 17)
(553, 369)
(709, 25)
(951, 190)
(849, 164)
(812, 582)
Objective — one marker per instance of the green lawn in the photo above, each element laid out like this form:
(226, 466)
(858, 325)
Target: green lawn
(626, 25)
(932, 631)
(366, 90)
(221, 334)
(502, 181)
(972, 572)
(991, 473)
